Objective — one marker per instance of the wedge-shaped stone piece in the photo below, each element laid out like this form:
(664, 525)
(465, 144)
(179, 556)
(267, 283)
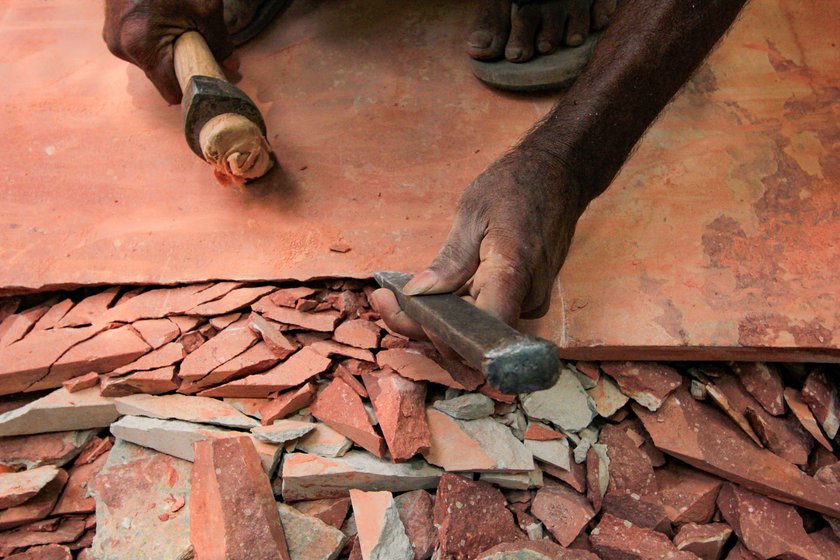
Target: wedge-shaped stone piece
(565, 404)
(416, 509)
(607, 397)
(15, 327)
(688, 495)
(17, 487)
(162, 302)
(272, 336)
(296, 370)
(618, 538)
(167, 355)
(53, 315)
(764, 383)
(142, 505)
(287, 403)
(324, 321)
(471, 516)
(469, 406)
(538, 431)
(341, 408)
(324, 441)
(37, 507)
(74, 499)
(647, 383)
(794, 400)
(822, 397)
(232, 301)
(87, 311)
(359, 333)
(288, 297)
(202, 410)
(400, 409)
(766, 527)
(81, 382)
(554, 452)
(157, 332)
(475, 445)
(255, 359)
(308, 537)
(702, 437)
(232, 509)
(381, 532)
(563, 511)
(225, 346)
(60, 411)
(282, 431)
(36, 450)
(176, 438)
(333, 349)
(310, 477)
(332, 511)
(705, 541)
(153, 382)
(416, 366)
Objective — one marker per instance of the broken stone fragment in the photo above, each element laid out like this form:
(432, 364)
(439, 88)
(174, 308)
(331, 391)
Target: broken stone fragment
(18, 487)
(324, 321)
(250, 407)
(288, 297)
(81, 382)
(416, 366)
(333, 349)
(234, 300)
(381, 532)
(225, 346)
(555, 452)
(400, 410)
(324, 441)
(53, 315)
(37, 507)
(538, 431)
(514, 480)
(157, 332)
(310, 477)
(60, 411)
(341, 408)
(282, 431)
(308, 537)
(47, 552)
(471, 516)
(647, 383)
(88, 310)
(74, 499)
(153, 382)
(272, 336)
(167, 355)
(720, 399)
(162, 302)
(534, 550)
(619, 538)
(416, 511)
(469, 406)
(474, 445)
(688, 495)
(256, 359)
(563, 511)
(767, 528)
(32, 451)
(764, 383)
(15, 327)
(575, 477)
(607, 397)
(67, 530)
(717, 447)
(345, 375)
(232, 509)
(597, 474)
(182, 407)
(358, 333)
(287, 403)
(821, 395)
(296, 370)
(704, 541)
(805, 417)
(333, 512)
(221, 322)
(565, 404)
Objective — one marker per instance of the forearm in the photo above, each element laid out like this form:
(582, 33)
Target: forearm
(643, 58)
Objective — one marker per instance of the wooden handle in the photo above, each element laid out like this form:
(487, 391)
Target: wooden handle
(194, 58)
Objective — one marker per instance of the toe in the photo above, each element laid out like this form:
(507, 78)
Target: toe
(525, 20)
(490, 30)
(602, 11)
(550, 35)
(577, 26)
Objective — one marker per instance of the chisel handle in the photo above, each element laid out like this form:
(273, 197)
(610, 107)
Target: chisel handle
(513, 362)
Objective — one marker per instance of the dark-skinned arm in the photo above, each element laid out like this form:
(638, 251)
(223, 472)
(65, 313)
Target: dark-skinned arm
(515, 222)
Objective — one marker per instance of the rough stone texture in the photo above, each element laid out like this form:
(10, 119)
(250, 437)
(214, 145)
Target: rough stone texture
(232, 301)
(647, 383)
(162, 302)
(341, 408)
(766, 527)
(704, 438)
(46, 552)
(574, 477)
(288, 297)
(563, 511)
(308, 537)
(141, 493)
(187, 408)
(333, 349)
(226, 345)
(358, 333)
(345, 375)
(282, 431)
(333, 512)
(60, 411)
(534, 550)
(620, 539)
(287, 403)
(416, 366)
(256, 359)
(597, 474)
(607, 397)
(272, 336)
(565, 404)
(688, 495)
(416, 511)
(232, 509)
(821, 395)
(36, 508)
(156, 332)
(31, 451)
(474, 445)
(740, 552)
(74, 499)
(554, 452)
(167, 355)
(471, 516)
(805, 417)
(469, 406)
(381, 532)
(538, 431)
(67, 530)
(324, 321)
(764, 383)
(704, 541)
(325, 442)
(400, 409)
(296, 370)
(17, 487)
(152, 382)
(81, 382)
(827, 541)
(310, 477)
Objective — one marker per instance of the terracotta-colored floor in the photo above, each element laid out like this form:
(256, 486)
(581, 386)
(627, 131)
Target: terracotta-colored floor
(719, 239)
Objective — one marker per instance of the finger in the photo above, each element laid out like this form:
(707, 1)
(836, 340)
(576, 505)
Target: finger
(502, 294)
(455, 263)
(490, 30)
(442, 348)
(538, 311)
(551, 31)
(162, 75)
(577, 27)
(211, 24)
(385, 303)
(525, 19)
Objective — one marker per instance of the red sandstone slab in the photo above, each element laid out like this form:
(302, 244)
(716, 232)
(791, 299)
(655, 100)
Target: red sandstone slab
(619, 538)
(324, 321)
(287, 403)
(720, 256)
(688, 495)
(358, 333)
(74, 499)
(224, 346)
(333, 512)
(53, 315)
(821, 394)
(232, 301)
(165, 356)
(340, 407)
(563, 511)
(400, 406)
(255, 359)
(161, 302)
(764, 383)
(272, 335)
(87, 311)
(15, 327)
(416, 366)
(81, 382)
(157, 332)
(150, 382)
(805, 417)
(37, 507)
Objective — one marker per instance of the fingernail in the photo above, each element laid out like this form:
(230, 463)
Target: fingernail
(480, 40)
(576, 39)
(421, 283)
(373, 302)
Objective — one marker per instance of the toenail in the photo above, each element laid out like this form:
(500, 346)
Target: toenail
(576, 39)
(481, 39)
(544, 46)
(514, 53)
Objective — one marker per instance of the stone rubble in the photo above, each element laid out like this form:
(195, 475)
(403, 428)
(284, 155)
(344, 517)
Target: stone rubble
(288, 404)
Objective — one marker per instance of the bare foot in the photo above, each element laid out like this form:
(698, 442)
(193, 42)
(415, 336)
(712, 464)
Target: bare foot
(520, 30)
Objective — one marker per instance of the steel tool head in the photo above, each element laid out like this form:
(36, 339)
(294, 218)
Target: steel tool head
(205, 98)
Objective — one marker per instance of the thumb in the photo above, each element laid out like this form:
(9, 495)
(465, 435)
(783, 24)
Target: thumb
(456, 262)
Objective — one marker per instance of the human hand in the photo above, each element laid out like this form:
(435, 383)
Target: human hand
(143, 32)
(510, 236)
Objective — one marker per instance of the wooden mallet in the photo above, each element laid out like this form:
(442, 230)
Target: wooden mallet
(222, 125)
